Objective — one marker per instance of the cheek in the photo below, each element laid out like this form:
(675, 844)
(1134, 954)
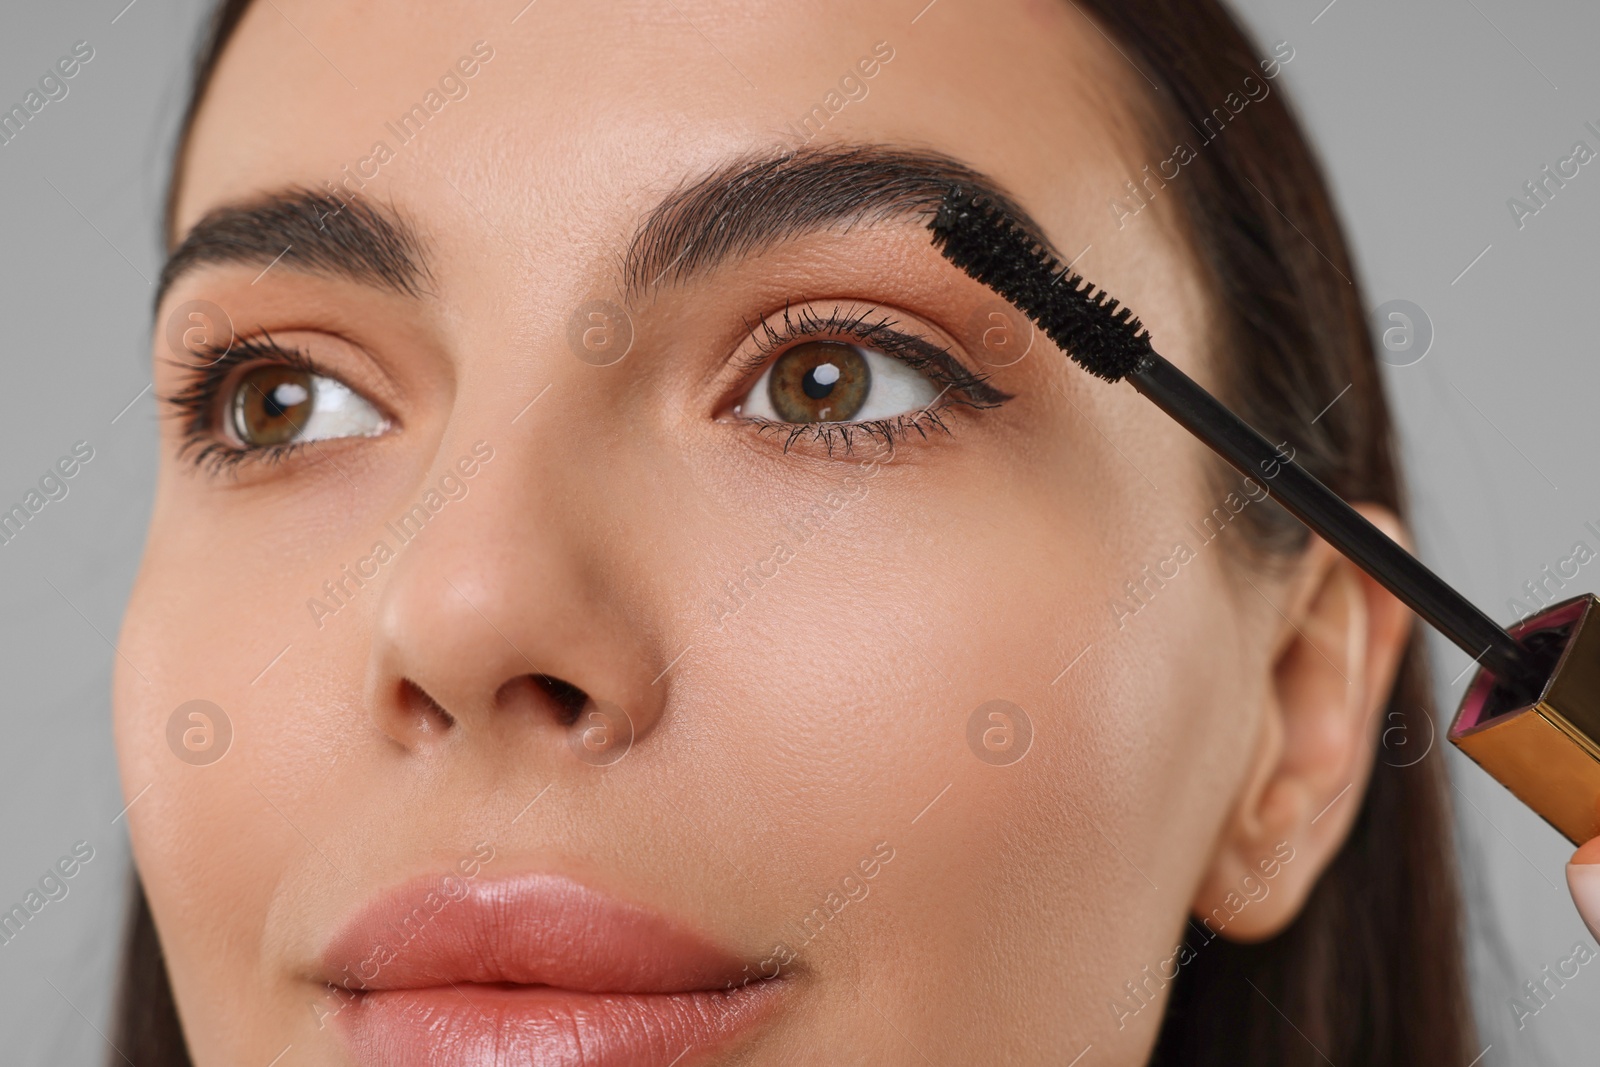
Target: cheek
(211, 848)
(858, 673)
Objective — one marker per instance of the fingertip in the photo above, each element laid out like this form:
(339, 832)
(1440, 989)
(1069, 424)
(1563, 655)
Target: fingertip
(1583, 880)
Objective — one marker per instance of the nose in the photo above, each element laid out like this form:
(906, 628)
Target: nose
(502, 629)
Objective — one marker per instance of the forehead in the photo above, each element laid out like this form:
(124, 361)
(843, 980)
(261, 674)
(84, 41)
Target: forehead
(559, 125)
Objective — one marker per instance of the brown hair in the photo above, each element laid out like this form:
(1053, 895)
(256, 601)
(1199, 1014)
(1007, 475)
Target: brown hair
(1371, 970)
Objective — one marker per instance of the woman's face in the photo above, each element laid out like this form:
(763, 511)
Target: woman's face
(564, 713)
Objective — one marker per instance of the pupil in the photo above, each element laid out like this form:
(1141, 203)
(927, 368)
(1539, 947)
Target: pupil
(819, 380)
(285, 397)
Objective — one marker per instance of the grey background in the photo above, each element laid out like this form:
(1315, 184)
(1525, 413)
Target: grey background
(1429, 116)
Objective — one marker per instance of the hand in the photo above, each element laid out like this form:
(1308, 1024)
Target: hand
(1583, 879)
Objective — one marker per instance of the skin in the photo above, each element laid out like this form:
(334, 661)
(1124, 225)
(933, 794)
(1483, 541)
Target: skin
(830, 713)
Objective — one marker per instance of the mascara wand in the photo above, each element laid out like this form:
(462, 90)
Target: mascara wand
(1108, 341)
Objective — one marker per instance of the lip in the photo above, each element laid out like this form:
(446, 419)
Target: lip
(531, 968)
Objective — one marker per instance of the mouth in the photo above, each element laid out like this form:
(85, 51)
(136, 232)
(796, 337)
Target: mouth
(533, 968)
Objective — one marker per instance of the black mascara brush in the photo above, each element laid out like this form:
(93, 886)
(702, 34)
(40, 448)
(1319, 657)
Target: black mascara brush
(1531, 715)
(1108, 341)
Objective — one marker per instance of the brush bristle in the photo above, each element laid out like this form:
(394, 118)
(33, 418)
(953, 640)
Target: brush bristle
(1103, 338)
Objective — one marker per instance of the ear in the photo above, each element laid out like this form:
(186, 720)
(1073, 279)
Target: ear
(1338, 637)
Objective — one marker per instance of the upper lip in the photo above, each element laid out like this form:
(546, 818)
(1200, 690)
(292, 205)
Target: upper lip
(525, 929)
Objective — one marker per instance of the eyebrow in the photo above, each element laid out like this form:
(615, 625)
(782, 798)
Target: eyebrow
(751, 204)
(741, 208)
(310, 232)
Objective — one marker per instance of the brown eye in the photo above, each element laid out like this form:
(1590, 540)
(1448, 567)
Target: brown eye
(819, 381)
(272, 405)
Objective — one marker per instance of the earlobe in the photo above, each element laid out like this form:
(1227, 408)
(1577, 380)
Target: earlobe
(1339, 638)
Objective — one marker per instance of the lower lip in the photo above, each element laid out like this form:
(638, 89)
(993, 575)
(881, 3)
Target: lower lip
(475, 1025)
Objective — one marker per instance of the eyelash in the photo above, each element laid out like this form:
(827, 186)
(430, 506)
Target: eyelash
(870, 328)
(197, 403)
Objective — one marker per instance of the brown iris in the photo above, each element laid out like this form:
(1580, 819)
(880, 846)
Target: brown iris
(271, 405)
(819, 381)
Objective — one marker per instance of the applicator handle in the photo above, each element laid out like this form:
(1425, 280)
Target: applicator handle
(1314, 504)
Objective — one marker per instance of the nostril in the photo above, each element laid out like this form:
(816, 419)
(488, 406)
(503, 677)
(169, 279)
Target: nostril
(426, 712)
(568, 699)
